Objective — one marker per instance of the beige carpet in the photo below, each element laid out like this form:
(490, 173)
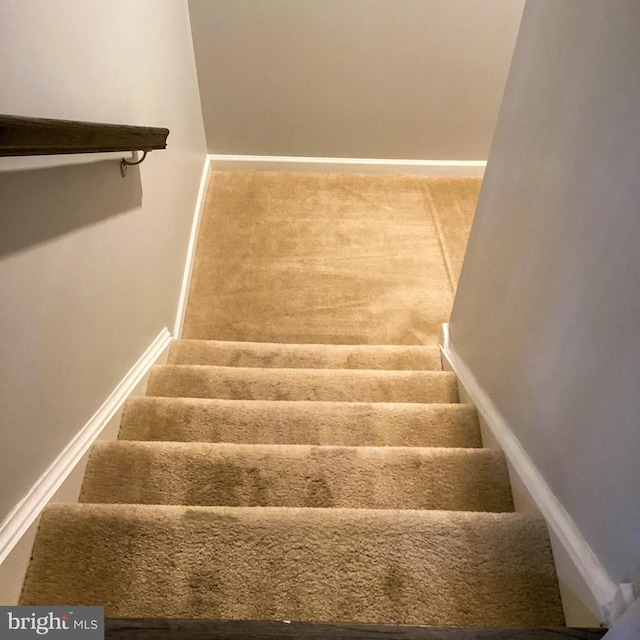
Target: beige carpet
(410, 567)
(241, 475)
(328, 258)
(347, 385)
(312, 462)
(307, 356)
(300, 422)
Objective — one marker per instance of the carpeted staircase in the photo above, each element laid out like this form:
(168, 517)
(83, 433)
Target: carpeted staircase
(264, 478)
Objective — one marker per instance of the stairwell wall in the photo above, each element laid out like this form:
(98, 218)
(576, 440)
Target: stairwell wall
(90, 263)
(404, 79)
(546, 313)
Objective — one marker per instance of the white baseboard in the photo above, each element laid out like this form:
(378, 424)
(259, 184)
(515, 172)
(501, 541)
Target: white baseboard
(61, 481)
(454, 168)
(191, 251)
(577, 564)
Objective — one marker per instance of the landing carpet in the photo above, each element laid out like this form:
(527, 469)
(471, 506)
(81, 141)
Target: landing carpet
(328, 258)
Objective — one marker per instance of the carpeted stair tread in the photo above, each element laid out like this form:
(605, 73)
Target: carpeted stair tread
(352, 385)
(352, 565)
(300, 422)
(240, 475)
(304, 356)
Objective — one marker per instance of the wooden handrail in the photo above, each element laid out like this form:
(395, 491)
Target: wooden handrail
(20, 136)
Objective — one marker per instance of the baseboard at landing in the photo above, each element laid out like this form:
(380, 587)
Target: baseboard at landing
(454, 168)
(62, 480)
(191, 250)
(588, 593)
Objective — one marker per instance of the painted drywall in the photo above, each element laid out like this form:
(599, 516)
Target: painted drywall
(416, 79)
(628, 627)
(90, 263)
(548, 306)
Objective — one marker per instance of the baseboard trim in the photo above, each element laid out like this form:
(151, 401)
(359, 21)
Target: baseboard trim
(191, 251)
(454, 168)
(28, 509)
(608, 596)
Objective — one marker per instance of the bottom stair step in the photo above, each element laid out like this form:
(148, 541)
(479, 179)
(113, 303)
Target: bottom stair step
(261, 563)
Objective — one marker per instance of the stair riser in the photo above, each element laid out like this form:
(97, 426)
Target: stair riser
(256, 354)
(301, 384)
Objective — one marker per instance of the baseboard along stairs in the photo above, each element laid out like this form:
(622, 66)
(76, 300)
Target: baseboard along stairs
(303, 456)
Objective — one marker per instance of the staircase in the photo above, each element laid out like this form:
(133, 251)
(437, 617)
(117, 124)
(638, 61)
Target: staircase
(304, 480)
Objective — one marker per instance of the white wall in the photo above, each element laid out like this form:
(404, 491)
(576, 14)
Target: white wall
(415, 79)
(547, 313)
(90, 263)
